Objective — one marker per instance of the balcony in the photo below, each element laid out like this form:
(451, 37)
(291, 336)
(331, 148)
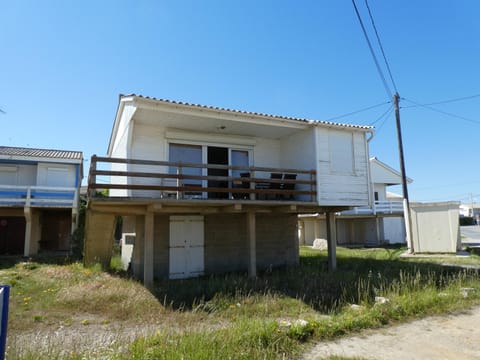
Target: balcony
(379, 207)
(38, 196)
(190, 182)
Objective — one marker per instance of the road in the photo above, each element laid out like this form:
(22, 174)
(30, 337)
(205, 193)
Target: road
(470, 235)
(454, 337)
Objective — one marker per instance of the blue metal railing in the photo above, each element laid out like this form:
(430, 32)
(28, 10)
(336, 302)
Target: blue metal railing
(41, 196)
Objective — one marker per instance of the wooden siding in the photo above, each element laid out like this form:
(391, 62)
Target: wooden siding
(342, 189)
(298, 151)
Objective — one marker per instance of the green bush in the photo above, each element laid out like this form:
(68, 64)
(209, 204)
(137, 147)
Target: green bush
(467, 220)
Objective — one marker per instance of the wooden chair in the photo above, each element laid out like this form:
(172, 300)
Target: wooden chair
(241, 185)
(289, 186)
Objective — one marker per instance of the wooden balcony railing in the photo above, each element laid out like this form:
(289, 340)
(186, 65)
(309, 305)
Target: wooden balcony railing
(176, 180)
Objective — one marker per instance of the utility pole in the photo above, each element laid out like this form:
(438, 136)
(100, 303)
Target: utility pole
(406, 203)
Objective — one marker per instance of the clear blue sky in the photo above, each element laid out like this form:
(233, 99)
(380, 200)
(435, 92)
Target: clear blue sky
(64, 63)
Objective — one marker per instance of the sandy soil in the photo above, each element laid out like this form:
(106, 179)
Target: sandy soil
(455, 336)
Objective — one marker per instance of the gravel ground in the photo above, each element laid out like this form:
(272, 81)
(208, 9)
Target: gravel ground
(455, 336)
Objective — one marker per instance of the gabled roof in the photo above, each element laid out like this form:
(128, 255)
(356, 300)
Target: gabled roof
(384, 174)
(16, 152)
(249, 113)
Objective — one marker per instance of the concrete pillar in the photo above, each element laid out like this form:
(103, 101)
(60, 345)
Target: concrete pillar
(252, 244)
(317, 231)
(332, 241)
(138, 248)
(28, 230)
(148, 250)
(99, 232)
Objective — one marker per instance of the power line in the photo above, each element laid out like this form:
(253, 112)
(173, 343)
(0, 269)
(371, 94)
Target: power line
(377, 130)
(358, 111)
(443, 112)
(445, 101)
(381, 47)
(380, 72)
(381, 116)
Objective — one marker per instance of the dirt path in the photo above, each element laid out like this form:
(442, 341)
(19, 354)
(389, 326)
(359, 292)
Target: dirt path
(454, 336)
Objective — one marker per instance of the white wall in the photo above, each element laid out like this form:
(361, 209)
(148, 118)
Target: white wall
(59, 175)
(337, 186)
(381, 190)
(394, 230)
(298, 152)
(148, 143)
(267, 153)
(435, 227)
(18, 174)
(123, 130)
(312, 228)
(121, 149)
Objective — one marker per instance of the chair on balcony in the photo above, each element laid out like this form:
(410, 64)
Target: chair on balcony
(241, 185)
(277, 186)
(289, 186)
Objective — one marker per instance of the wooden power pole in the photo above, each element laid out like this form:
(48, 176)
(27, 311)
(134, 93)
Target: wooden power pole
(406, 203)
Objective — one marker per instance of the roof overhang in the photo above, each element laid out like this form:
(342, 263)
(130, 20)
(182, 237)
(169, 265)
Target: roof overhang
(215, 120)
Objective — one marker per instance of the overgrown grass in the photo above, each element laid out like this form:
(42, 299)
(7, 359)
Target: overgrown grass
(231, 316)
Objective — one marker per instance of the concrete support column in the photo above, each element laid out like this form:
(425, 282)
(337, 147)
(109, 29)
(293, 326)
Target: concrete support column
(316, 229)
(252, 244)
(99, 231)
(377, 230)
(332, 241)
(138, 248)
(148, 250)
(28, 230)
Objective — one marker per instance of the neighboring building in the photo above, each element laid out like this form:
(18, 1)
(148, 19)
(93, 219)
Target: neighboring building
(39, 194)
(382, 223)
(208, 190)
(470, 210)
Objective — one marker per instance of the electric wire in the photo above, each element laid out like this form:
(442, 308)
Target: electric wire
(444, 101)
(381, 46)
(377, 130)
(379, 69)
(443, 112)
(381, 116)
(358, 111)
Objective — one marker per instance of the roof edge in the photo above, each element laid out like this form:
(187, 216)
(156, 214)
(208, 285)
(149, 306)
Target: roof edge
(247, 113)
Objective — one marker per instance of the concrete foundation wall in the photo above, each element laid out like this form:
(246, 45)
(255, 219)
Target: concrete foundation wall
(226, 243)
(277, 240)
(357, 232)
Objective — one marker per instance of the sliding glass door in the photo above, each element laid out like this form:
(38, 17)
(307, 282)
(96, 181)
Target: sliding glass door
(181, 153)
(212, 155)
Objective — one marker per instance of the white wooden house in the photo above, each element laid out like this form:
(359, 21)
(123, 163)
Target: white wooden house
(39, 194)
(207, 189)
(380, 223)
